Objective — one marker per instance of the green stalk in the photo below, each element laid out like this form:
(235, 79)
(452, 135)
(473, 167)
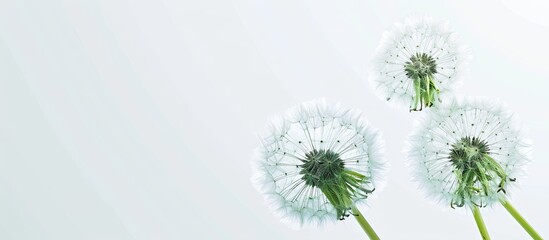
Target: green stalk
(364, 224)
(480, 223)
(417, 96)
(427, 88)
(520, 220)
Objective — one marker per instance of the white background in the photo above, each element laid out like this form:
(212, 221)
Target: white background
(137, 119)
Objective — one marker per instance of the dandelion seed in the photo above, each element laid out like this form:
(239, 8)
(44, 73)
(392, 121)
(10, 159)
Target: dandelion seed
(417, 62)
(317, 162)
(469, 154)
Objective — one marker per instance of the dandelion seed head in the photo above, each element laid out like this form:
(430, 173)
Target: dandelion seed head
(418, 62)
(468, 153)
(316, 161)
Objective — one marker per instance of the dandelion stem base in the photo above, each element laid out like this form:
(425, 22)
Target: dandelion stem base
(521, 220)
(480, 224)
(364, 224)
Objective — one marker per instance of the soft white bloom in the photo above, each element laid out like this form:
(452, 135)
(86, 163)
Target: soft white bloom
(316, 162)
(468, 153)
(418, 62)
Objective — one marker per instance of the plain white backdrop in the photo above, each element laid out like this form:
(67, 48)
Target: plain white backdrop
(137, 119)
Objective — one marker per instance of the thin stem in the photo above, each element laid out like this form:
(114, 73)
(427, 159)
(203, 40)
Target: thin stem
(520, 220)
(364, 224)
(480, 223)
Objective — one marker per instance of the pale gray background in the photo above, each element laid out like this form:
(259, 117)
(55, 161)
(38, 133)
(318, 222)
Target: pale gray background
(137, 119)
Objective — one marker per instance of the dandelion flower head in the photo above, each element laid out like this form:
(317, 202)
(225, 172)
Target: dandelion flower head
(468, 153)
(417, 62)
(317, 161)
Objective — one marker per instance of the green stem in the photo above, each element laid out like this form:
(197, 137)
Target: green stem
(364, 224)
(520, 220)
(417, 95)
(480, 223)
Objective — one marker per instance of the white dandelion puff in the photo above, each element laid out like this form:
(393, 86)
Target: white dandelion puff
(317, 162)
(418, 62)
(470, 154)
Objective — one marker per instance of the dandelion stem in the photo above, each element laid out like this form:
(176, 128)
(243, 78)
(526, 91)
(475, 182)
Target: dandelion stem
(364, 224)
(480, 223)
(520, 220)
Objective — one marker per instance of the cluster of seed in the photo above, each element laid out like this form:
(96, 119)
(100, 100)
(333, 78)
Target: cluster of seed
(320, 161)
(468, 153)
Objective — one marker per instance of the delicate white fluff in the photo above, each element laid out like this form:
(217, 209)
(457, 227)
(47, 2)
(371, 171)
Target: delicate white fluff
(417, 35)
(317, 125)
(430, 144)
